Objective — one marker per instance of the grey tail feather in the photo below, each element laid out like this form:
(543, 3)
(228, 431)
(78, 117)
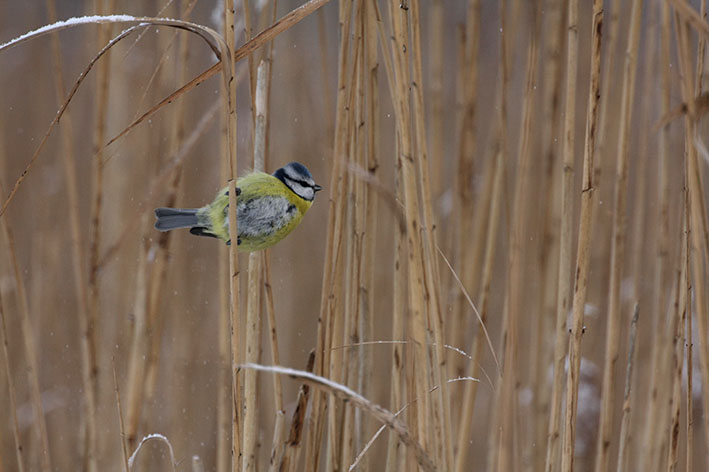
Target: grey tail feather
(173, 218)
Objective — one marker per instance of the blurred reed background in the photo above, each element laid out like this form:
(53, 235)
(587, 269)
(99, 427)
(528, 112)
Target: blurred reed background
(543, 160)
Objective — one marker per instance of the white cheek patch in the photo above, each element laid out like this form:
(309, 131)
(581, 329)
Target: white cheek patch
(304, 192)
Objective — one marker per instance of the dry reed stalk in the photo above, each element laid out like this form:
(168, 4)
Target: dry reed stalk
(701, 50)
(255, 283)
(89, 334)
(618, 240)
(278, 447)
(261, 146)
(348, 372)
(366, 384)
(398, 392)
(607, 104)
(697, 211)
(248, 31)
(625, 422)
(565, 241)
(406, 159)
(271, 312)
(642, 171)
(492, 239)
(689, 413)
(330, 300)
(29, 345)
(676, 325)
(584, 238)
(231, 157)
(11, 388)
(78, 253)
(225, 401)
(402, 383)
(441, 412)
(435, 53)
(655, 420)
(289, 461)
(548, 262)
(124, 448)
(510, 446)
(496, 441)
(360, 238)
(139, 350)
(697, 189)
(470, 215)
(342, 311)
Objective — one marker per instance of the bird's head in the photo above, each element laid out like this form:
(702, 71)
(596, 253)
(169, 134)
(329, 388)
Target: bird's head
(297, 177)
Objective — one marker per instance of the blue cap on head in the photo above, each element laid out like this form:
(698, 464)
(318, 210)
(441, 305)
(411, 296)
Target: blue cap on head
(299, 169)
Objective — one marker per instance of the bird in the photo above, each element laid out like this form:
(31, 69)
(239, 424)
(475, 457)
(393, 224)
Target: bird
(268, 208)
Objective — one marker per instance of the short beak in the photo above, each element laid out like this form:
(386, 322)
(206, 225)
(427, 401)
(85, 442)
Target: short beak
(317, 188)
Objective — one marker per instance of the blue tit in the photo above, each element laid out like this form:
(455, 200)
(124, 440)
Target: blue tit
(268, 208)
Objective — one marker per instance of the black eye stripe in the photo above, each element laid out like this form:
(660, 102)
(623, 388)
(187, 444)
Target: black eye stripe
(302, 183)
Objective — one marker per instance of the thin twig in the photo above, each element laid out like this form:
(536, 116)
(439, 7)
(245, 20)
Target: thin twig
(625, 422)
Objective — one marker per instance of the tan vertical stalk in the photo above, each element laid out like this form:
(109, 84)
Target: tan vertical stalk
(11, 387)
(119, 408)
(261, 145)
(30, 347)
(548, 256)
(248, 31)
(609, 66)
(139, 350)
(278, 446)
(343, 305)
(512, 380)
(225, 402)
(584, 237)
(441, 411)
(653, 431)
(618, 241)
(329, 295)
(293, 442)
(89, 329)
(78, 250)
(676, 325)
(395, 449)
(359, 318)
(406, 160)
(689, 413)
(469, 215)
(436, 54)
(699, 250)
(701, 50)
(396, 454)
(495, 442)
(253, 300)
(347, 374)
(230, 156)
(625, 423)
(466, 424)
(565, 241)
(366, 382)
